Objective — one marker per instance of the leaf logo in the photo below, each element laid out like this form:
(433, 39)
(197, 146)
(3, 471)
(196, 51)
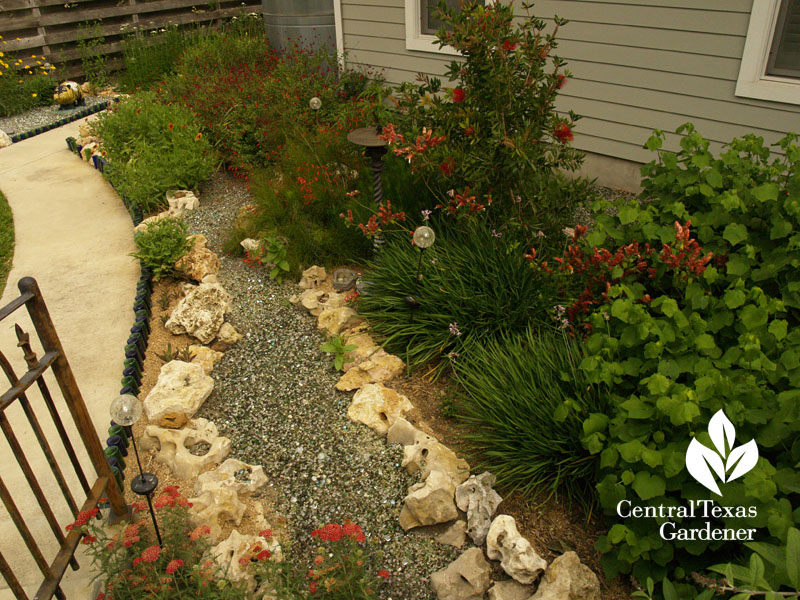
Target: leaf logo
(703, 462)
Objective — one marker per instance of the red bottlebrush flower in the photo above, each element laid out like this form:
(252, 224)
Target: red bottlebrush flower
(263, 555)
(312, 587)
(508, 46)
(101, 596)
(563, 133)
(174, 565)
(383, 573)
(266, 534)
(88, 539)
(151, 554)
(459, 95)
(199, 532)
(137, 560)
(469, 130)
(562, 79)
(448, 166)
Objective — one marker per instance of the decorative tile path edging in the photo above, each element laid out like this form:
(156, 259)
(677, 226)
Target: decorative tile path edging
(79, 114)
(136, 345)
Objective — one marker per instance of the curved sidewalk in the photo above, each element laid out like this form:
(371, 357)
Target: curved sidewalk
(74, 236)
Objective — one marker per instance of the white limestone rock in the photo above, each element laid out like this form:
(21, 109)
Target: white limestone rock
(199, 262)
(466, 578)
(182, 200)
(377, 407)
(510, 590)
(234, 474)
(201, 313)
(313, 277)
(515, 553)
(216, 506)
(228, 334)
(5, 139)
(172, 447)
(336, 320)
(180, 391)
(477, 498)
(429, 502)
(205, 357)
(568, 579)
(455, 535)
(380, 368)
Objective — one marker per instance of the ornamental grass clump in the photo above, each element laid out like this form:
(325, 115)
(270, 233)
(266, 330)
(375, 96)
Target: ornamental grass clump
(474, 285)
(690, 307)
(527, 400)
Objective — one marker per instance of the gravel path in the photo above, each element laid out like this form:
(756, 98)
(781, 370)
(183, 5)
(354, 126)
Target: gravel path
(275, 398)
(41, 116)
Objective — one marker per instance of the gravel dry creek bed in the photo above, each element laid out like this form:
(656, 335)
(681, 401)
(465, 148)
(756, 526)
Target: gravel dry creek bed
(274, 397)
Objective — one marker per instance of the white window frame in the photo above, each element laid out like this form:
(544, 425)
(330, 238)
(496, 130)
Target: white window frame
(752, 81)
(423, 42)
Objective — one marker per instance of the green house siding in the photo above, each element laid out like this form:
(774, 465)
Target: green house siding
(637, 66)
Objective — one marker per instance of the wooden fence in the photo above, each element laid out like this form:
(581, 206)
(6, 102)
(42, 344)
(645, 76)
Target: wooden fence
(53, 28)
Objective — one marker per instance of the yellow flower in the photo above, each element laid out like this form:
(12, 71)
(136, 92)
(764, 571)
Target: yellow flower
(52, 68)
(1, 54)
(34, 94)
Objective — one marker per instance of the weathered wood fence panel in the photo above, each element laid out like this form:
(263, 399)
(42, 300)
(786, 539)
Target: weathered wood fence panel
(53, 28)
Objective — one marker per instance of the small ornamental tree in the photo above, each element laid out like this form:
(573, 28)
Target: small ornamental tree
(494, 139)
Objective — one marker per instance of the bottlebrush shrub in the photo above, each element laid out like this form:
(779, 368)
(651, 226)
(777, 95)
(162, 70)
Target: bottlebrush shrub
(678, 335)
(473, 286)
(496, 133)
(528, 400)
(151, 148)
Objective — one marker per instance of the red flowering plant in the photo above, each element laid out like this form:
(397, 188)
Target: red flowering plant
(494, 139)
(134, 565)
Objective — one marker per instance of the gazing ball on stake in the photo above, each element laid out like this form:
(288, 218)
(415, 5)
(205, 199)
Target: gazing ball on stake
(424, 237)
(315, 103)
(126, 410)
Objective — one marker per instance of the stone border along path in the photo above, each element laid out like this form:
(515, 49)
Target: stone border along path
(274, 402)
(74, 236)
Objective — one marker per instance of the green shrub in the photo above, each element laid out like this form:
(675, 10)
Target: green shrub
(153, 148)
(474, 286)
(677, 335)
(527, 399)
(6, 240)
(497, 134)
(161, 245)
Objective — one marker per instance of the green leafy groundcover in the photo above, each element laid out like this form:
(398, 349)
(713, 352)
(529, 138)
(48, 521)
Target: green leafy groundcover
(6, 240)
(680, 335)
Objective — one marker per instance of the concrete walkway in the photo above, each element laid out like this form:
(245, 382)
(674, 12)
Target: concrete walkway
(73, 235)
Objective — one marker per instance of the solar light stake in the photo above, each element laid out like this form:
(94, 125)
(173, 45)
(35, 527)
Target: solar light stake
(125, 411)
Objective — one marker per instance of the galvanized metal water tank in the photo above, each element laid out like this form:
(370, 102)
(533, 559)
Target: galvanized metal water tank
(311, 21)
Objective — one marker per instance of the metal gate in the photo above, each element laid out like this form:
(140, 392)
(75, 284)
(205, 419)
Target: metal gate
(104, 483)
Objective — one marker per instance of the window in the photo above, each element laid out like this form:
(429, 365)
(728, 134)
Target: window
(770, 68)
(422, 23)
(784, 56)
